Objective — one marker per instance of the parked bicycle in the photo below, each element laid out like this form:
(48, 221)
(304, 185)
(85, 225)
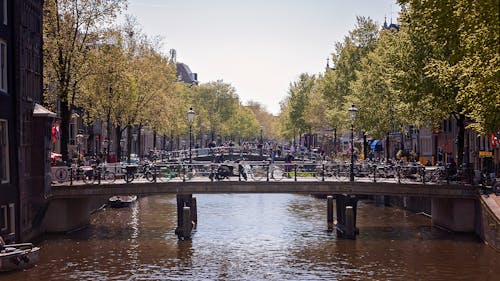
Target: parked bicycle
(100, 174)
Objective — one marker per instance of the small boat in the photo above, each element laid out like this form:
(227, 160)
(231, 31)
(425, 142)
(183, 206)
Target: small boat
(18, 257)
(121, 201)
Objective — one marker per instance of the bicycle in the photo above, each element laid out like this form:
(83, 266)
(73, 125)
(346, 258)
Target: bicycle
(136, 172)
(99, 173)
(186, 171)
(275, 172)
(255, 172)
(163, 173)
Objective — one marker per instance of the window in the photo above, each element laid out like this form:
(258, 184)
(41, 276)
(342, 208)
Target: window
(3, 66)
(3, 6)
(12, 218)
(4, 152)
(3, 218)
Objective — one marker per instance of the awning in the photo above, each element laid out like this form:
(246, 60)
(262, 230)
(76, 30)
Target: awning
(40, 111)
(376, 145)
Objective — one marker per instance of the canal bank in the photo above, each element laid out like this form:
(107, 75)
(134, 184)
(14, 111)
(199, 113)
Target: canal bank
(481, 217)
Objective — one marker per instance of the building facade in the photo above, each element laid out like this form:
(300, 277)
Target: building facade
(24, 123)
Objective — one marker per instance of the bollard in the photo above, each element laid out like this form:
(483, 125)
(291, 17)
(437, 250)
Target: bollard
(350, 231)
(374, 173)
(329, 212)
(295, 171)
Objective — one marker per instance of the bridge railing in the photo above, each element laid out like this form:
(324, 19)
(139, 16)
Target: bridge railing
(252, 171)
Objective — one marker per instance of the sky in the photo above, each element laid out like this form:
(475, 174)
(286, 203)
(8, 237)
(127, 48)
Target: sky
(257, 46)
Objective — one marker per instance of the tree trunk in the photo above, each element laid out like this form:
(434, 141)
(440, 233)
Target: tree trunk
(64, 130)
(139, 148)
(387, 143)
(365, 146)
(118, 150)
(335, 148)
(154, 140)
(108, 138)
(129, 142)
(460, 138)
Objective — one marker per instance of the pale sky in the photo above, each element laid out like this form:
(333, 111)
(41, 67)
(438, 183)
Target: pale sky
(258, 46)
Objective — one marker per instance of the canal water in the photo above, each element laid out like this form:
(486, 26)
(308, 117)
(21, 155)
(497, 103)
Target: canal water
(259, 237)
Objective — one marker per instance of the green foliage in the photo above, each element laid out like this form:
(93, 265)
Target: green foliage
(455, 44)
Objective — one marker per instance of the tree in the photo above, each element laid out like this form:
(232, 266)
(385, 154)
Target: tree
(450, 66)
(71, 29)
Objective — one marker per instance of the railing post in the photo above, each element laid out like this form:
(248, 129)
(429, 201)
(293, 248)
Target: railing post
(375, 173)
(422, 172)
(239, 172)
(295, 171)
(447, 171)
(182, 170)
(323, 172)
(155, 172)
(98, 172)
(398, 174)
(267, 171)
(71, 175)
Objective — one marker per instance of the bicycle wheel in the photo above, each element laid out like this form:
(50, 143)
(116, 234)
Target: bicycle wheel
(258, 173)
(129, 177)
(149, 176)
(109, 177)
(318, 173)
(277, 174)
(89, 178)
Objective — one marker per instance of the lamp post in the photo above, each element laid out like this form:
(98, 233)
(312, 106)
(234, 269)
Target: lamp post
(261, 142)
(105, 148)
(79, 140)
(352, 113)
(190, 118)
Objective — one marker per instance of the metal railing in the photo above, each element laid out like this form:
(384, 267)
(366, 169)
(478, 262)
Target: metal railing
(164, 171)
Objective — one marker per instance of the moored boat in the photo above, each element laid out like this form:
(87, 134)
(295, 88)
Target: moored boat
(18, 256)
(121, 201)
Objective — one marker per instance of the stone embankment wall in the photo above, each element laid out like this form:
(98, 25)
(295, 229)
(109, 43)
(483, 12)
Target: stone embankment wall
(488, 224)
(486, 217)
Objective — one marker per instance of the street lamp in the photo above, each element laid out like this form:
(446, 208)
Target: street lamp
(105, 148)
(261, 142)
(190, 117)
(352, 113)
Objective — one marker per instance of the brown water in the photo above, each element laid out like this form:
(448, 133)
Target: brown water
(259, 237)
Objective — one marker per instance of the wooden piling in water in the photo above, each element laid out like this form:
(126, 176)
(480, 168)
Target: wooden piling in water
(183, 200)
(350, 229)
(194, 211)
(187, 225)
(329, 212)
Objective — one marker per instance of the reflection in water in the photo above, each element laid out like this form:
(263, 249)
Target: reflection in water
(258, 237)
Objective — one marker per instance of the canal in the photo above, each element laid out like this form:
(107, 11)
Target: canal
(259, 237)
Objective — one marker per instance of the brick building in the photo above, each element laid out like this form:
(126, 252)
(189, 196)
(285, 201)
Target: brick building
(24, 123)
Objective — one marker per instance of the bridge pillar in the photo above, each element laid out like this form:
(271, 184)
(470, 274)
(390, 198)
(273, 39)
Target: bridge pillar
(346, 216)
(186, 215)
(454, 214)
